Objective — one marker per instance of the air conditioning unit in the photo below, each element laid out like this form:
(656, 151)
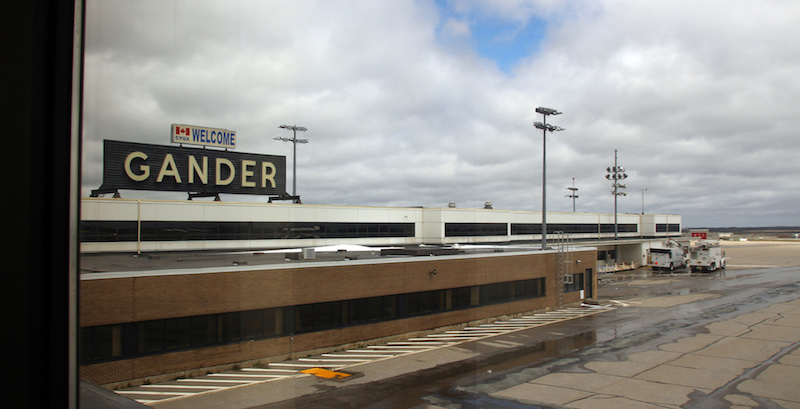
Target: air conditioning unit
(308, 253)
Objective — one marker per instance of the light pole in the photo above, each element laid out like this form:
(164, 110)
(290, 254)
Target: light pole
(616, 174)
(643, 190)
(294, 142)
(545, 127)
(573, 194)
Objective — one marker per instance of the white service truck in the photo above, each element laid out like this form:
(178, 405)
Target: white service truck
(706, 256)
(670, 257)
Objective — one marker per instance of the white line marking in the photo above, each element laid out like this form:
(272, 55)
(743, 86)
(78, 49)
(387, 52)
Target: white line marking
(352, 356)
(180, 386)
(155, 393)
(241, 375)
(297, 365)
(332, 360)
(268, 370)
(393, 351)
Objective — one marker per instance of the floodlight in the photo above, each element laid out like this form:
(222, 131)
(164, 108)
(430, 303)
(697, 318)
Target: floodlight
(294, 127)
(547, 111)
(547, 127)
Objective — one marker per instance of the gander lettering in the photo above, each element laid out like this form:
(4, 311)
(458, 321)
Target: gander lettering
(138, 170)
(140, 166)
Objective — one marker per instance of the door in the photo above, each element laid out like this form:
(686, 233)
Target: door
(589, 283)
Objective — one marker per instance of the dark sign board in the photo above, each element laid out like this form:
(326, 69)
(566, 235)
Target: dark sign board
(139, 166)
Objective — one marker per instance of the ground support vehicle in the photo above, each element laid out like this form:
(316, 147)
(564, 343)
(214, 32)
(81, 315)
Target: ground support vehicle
(670, 257)
(706, 256)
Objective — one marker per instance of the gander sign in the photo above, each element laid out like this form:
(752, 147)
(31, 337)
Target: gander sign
(138, 166)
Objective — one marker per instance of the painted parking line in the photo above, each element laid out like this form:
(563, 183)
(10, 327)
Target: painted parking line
(166, 386)
(394, 350)
(333, 360)
(268, 370)
(353, 355)
(292, 365)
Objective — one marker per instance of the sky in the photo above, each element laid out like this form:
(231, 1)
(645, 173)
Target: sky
(427, 102)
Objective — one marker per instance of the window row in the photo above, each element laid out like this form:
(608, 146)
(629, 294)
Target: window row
(125, 231)
(123, 341)
(668, 228)
(572, 228)
(475, 229)
(501, 229)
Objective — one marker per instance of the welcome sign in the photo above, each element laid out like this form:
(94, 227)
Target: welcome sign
(198, 135)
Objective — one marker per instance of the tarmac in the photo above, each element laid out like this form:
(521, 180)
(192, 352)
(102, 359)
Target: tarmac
(751, 361)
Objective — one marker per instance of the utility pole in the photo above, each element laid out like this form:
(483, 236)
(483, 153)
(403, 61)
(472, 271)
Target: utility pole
(294, 142)
(573, 194)
(616, 174)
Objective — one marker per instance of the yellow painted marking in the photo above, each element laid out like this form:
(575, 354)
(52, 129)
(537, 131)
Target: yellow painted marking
(324, 373)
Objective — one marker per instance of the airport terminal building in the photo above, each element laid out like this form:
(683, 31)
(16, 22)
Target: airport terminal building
(172, 288)
(120, 225)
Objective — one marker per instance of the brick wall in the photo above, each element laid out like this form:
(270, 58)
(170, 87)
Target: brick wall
(122, 300)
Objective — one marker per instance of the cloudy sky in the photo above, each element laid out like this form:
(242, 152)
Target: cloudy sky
(423, 102)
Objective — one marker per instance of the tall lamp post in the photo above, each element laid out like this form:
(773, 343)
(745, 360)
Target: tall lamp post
(573, 194)
(294, 142)
(643, 190)
(545, 127)
(616, 174)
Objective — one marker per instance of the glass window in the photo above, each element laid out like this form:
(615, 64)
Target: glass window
(389, 306)
(151, 336)
(252, 324)
(576, 285)
(374, 308)
(230, 326)
(304, 318)
(204, 330)
(103, 342)
(323, 315)
(178, 333)
(274, 322)
(358, 310)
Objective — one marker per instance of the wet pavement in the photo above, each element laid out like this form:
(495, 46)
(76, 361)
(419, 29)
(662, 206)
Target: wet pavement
(729, 340)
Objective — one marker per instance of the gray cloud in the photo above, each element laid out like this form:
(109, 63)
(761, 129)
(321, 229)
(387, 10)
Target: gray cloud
(700, 99)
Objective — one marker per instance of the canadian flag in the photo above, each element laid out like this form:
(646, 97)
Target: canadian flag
(179, 130)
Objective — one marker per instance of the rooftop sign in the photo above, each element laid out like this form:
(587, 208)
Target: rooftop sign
(139, 166)
(198, 135)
